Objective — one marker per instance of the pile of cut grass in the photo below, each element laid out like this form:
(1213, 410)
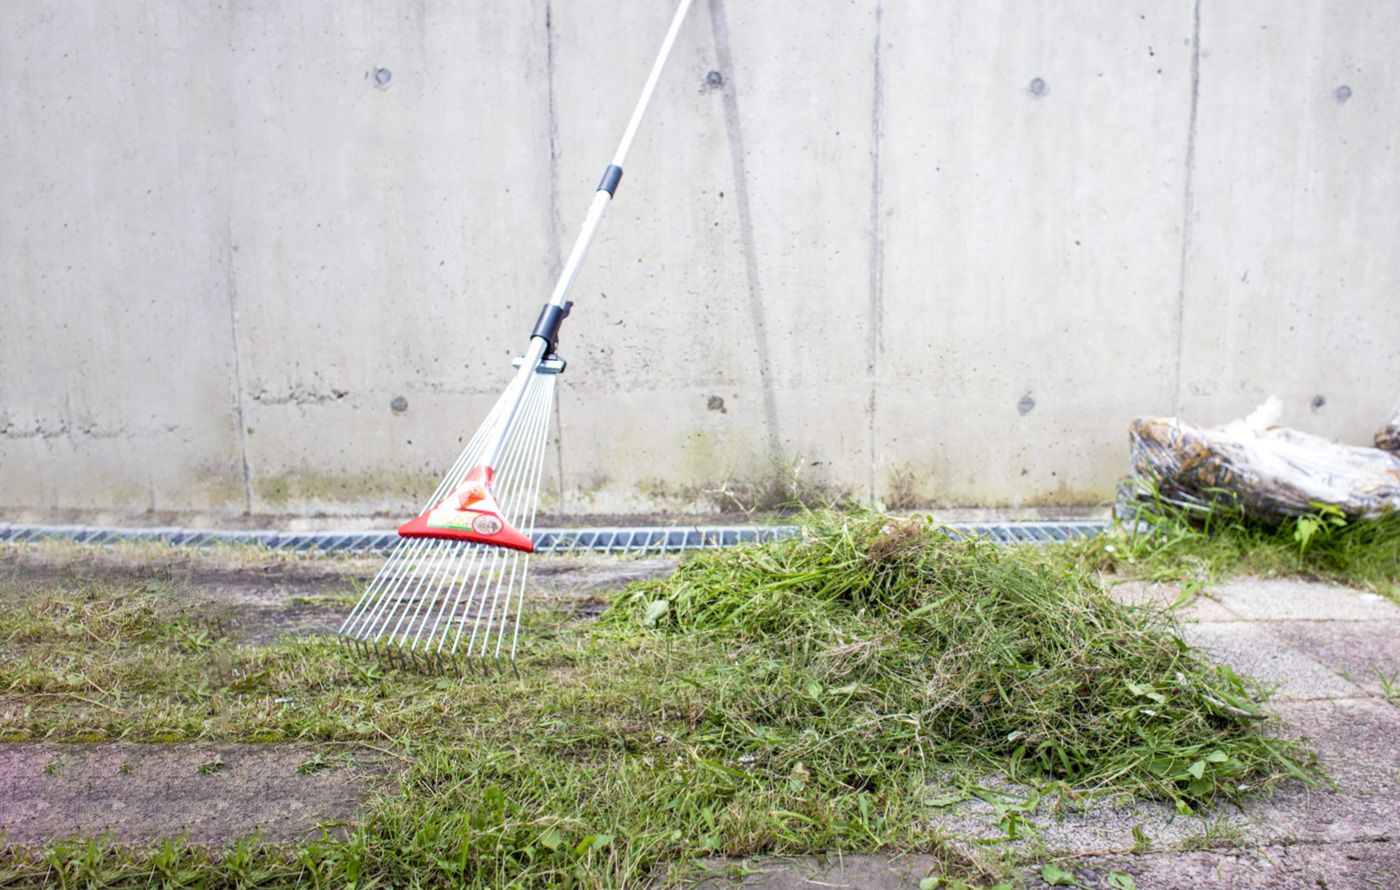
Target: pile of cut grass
(868, 644)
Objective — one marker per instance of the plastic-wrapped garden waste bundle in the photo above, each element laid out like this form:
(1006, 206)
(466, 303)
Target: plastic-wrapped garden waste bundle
(1268, 471)
(1389, 435)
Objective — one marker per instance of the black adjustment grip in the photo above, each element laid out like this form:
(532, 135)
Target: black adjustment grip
(611, 177)
(547, 325)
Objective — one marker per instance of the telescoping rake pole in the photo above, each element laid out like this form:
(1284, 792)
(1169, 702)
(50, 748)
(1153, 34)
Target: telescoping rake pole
(453, 587)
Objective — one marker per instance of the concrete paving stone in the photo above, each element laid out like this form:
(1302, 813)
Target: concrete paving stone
(1362, 652)
(1373, 866)
(1161, 596)
(139, 793)
(1353, 866)
(1251, 649)
(804, 873)
(1103, 826)
(1355, 741)
(1287, 599)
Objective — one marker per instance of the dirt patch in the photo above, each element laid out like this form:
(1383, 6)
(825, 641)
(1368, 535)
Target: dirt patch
(258, 595)
(237, 575)
(207, 793)
(580, 582)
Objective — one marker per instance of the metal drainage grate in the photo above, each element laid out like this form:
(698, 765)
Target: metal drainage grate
(655, 539)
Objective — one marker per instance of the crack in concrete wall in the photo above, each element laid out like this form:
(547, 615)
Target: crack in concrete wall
(875, 341)
(1188, 203)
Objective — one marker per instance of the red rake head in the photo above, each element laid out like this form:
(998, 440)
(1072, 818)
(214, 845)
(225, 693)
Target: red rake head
(469, 513)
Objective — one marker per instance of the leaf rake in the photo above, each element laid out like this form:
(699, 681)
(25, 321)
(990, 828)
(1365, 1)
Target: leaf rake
(451, 592)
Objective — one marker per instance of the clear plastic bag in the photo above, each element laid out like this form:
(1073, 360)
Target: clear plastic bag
(1389, 436)
(1269, 472)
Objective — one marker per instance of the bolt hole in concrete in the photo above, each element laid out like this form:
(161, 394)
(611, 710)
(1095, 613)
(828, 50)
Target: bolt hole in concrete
(1026, 405)
(716, 403)
(1037, 87)
(1343, 93)
(399, 405)
(382, 76)
(714, 80)
(1319, 402)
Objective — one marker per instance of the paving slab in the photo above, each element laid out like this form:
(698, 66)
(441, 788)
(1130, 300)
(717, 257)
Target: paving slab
(1363, 652)
(207, 793)
(1158, 597)
(1251, 649)
(1356, 744)
(1372, 866)
(805, 873)
(1286, 599)
(1354, 866)
(1104, 826)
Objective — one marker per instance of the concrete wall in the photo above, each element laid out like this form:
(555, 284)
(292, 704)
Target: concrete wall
(930, 253)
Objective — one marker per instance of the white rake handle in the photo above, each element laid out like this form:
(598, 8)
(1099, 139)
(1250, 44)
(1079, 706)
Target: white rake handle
(546, 332)
(613, 175)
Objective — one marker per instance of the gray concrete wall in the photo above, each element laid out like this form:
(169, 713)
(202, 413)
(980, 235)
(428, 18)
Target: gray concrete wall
(930, 254)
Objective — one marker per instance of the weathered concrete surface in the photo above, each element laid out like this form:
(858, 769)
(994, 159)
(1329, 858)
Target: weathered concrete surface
(870, 872)
(1372, 866)
(1263, 656)
(1366, 653)
(939, 253)
(1161, 597)
(209, 793)
(1285, 599)
(1359, 866)
(1286, 222)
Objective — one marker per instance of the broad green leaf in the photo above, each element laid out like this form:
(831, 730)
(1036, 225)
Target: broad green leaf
(550, 839)
(1057, 877)
(655, 611)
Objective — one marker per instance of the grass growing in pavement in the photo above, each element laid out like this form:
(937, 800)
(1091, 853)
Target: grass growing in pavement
(815, 694)
(1168, 543)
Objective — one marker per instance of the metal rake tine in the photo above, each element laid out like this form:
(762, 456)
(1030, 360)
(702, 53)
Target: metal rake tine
(378, 593)
(469, 552)
(526, 463)
(527, 491)
(525, 568)
(369, 595)
(467, 557)
(466, 607)
(366, 627)
(409, 611)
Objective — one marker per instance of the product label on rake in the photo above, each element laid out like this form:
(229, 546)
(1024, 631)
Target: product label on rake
(481, 523)
(470, 506)
(469, 513)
